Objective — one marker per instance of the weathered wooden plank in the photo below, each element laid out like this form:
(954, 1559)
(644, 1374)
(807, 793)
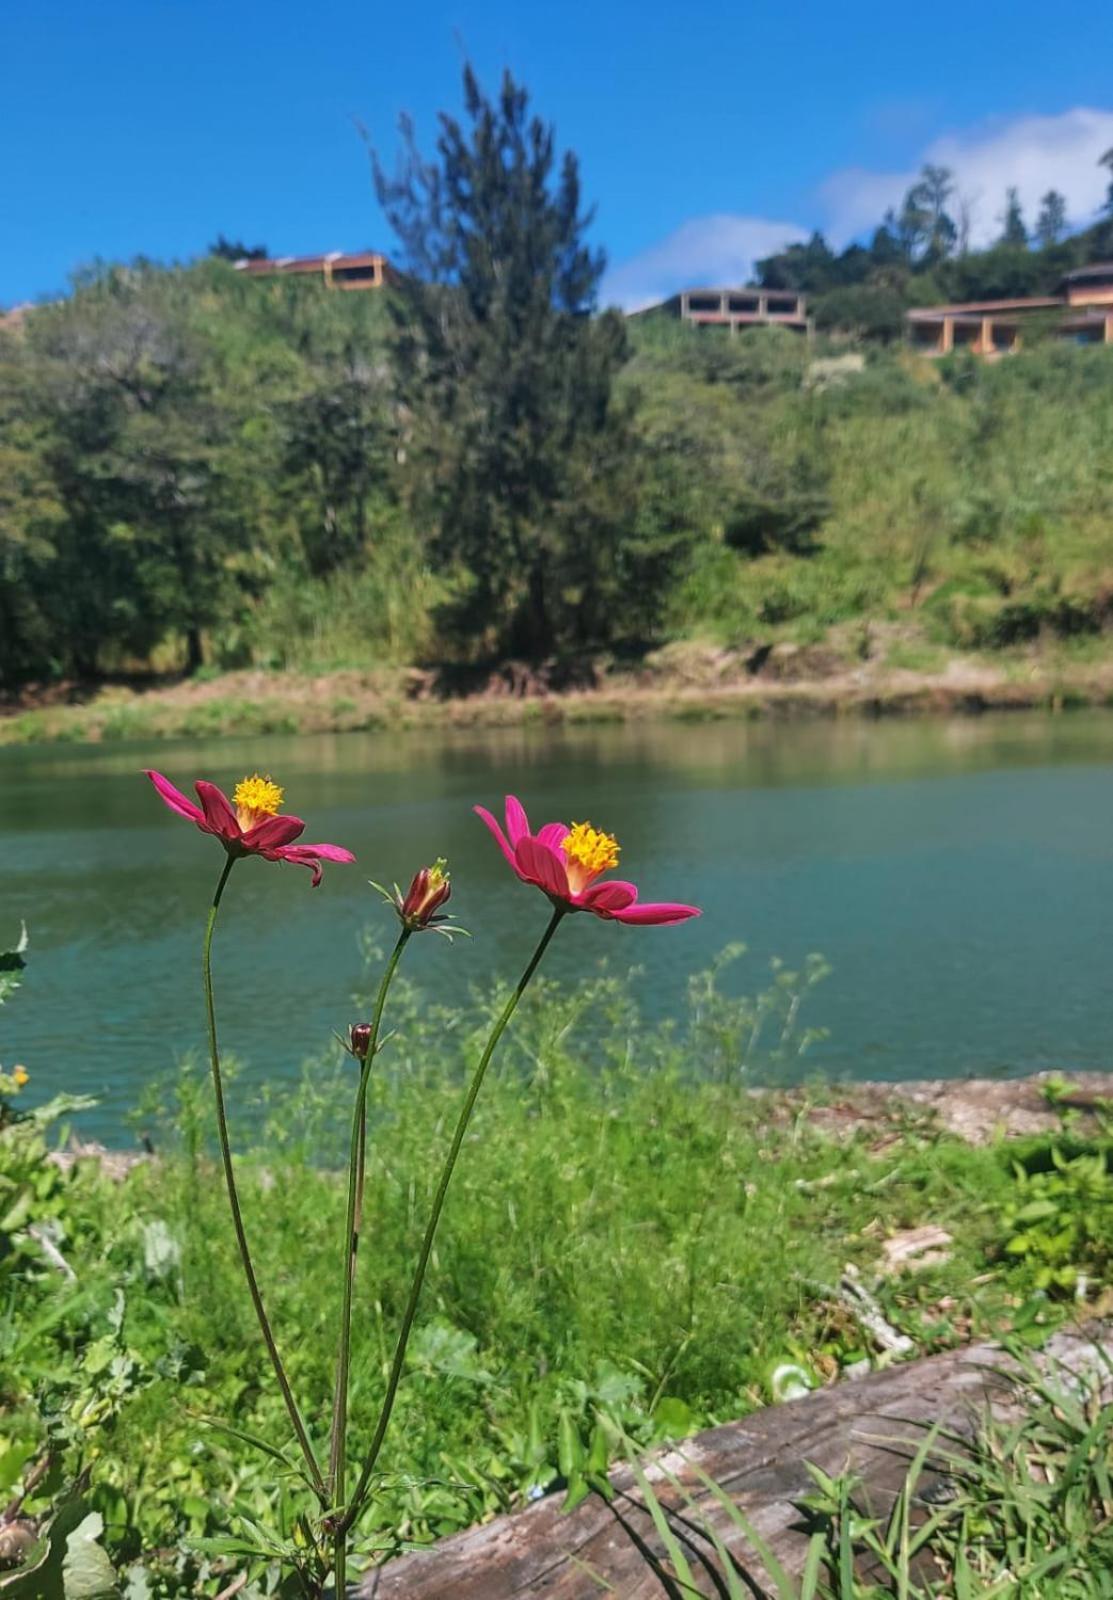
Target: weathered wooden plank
(871, 1427)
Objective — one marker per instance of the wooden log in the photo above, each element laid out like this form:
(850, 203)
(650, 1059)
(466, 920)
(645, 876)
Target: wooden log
(871, 1428)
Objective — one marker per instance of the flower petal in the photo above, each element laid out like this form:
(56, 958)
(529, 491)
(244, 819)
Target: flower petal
(517, 823)
(219, 816)
(299, 855)
(174, 798)
(607, 898)
(311, 856)
(273, 832)
(651, 915)
(538, 864)
(328, 852)
(499, 836)
(553, 834)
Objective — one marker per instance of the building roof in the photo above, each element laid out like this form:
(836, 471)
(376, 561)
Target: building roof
(1096, 269)
(972, 307)
(335, 258)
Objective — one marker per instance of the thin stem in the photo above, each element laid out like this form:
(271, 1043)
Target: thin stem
(356, 1170)
(434, 1218)
(234, 1200)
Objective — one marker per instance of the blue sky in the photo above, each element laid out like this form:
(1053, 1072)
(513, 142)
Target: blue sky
(707, 135)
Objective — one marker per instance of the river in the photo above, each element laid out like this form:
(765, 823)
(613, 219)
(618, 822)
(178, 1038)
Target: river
(958, 875)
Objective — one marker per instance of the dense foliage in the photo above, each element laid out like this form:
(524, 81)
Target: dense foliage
(636, 1239)
(920, 254)
(199, 465)
(524, 466)
(198, 468)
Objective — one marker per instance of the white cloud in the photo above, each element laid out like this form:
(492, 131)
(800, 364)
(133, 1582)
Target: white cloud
(1032, 154)
(715, 250)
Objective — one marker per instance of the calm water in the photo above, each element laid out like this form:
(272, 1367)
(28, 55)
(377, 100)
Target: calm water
(958, 875)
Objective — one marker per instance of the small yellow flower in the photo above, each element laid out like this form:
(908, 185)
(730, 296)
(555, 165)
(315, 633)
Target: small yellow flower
(21, 1076)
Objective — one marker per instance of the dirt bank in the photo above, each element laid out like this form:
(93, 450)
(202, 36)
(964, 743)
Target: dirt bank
(689, 684)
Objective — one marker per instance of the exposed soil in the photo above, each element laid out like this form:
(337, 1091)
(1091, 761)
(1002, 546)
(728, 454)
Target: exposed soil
(689, 682)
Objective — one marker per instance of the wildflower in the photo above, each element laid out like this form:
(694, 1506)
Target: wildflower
(21, 1075)
(566, 862)
(419, 907)
(359, 1040)
(249, 824)
(428, 892)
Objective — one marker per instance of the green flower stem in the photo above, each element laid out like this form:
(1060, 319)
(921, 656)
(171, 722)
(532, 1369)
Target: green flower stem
(434, 1218)
(356, 1169)
(318, 1481)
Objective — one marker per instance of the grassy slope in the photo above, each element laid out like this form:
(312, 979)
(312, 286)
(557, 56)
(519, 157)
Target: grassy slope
(958, 493)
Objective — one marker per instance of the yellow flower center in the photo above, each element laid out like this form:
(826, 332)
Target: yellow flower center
(438, 876)
(255, 798)
(21, 1076)
(589, 853)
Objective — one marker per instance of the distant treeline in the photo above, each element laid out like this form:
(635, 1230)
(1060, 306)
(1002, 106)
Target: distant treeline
(203, 470)
(920, 255)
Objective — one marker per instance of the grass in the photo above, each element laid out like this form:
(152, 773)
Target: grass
(1026, 1513)
(631, 1232)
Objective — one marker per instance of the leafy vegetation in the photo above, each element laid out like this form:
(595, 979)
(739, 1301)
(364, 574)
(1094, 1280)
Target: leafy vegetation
(638, 1239)
(920, 255)
(203, 470)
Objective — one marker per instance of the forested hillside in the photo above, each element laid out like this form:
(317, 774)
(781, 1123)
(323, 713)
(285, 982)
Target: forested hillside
(202, 470)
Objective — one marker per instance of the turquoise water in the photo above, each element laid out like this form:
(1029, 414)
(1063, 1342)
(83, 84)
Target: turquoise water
(957, 875)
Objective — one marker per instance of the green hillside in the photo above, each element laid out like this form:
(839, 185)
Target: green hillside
(187, 455)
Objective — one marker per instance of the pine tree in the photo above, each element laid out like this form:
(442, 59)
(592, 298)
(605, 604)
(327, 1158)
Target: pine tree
(1013, 232)
(517, 459)
(1051, 224)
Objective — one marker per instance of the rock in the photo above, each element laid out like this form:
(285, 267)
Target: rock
(915, 1248)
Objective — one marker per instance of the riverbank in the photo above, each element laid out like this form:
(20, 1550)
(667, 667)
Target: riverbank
(682, 683)
(672, 1252)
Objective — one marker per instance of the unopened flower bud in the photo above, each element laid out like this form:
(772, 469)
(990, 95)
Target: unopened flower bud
(359, 1040)
(427, 893)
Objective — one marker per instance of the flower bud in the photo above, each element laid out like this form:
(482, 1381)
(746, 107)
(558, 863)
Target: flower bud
(427, 893)
(359, 1040)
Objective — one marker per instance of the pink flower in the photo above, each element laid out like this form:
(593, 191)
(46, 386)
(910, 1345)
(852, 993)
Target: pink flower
(565, 863)
(248, 824)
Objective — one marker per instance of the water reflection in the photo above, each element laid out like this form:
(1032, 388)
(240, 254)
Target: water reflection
(956, 873)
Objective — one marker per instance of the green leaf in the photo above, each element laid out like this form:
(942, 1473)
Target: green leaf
(71, 1565)
(570, 1450)
(87, 1573)
(673, 1418)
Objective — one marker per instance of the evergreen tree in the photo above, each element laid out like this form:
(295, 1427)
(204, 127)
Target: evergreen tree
(1051, 223)
(1107, 161)
(1013, 232)
(517, 457)
(235, 250)
(806, 268)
